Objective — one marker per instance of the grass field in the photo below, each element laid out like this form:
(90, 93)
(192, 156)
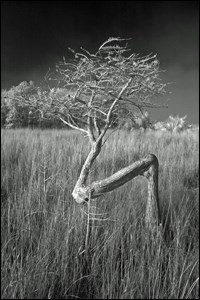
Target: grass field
(47, 251)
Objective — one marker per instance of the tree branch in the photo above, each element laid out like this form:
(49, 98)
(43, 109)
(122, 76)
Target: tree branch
(122, 176)
(89, 120)
(72, 126)
(108, 119)
(147, 167)
(97, 127)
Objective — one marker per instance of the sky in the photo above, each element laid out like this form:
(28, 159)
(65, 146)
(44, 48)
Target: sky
(35, 35)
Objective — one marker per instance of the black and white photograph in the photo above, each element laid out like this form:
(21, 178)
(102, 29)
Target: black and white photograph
(100, 149)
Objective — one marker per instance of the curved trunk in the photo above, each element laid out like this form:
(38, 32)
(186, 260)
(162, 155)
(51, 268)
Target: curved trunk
(147, 167)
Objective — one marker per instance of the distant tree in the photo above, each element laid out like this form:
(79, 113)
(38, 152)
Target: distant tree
(18, 100)
(105, 87)
(177, 124)
(142, 121)
(4, 108)
(21, 106)
(138, 121)
(159, 126)
(173, 124)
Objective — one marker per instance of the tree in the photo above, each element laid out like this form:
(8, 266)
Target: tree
(173, 124)
(103, 88)
(140, 121)
(177, 124)
(18, 102)
(21, 106)
(4, 108)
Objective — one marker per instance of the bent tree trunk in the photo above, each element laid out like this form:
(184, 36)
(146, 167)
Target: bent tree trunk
(147, 167)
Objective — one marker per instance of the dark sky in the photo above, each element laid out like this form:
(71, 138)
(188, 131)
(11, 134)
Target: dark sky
(36, 34)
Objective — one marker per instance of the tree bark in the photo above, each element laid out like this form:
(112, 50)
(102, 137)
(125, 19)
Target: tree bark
(147, 167)
(81, 191)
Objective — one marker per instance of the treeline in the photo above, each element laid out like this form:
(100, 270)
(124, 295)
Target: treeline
(20, 107)
(27, 105)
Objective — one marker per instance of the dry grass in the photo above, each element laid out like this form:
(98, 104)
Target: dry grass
(45, 250)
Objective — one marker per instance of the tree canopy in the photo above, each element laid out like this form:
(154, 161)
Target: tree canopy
(105, 86)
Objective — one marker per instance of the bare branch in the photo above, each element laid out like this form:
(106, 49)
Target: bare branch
(97, 127)
(72, 126)
(89, 121)
(122, 176)
(108, 119)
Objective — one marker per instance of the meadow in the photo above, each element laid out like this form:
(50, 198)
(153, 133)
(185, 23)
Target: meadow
(52, 250)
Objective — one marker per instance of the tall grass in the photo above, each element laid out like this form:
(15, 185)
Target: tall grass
(51, 249)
